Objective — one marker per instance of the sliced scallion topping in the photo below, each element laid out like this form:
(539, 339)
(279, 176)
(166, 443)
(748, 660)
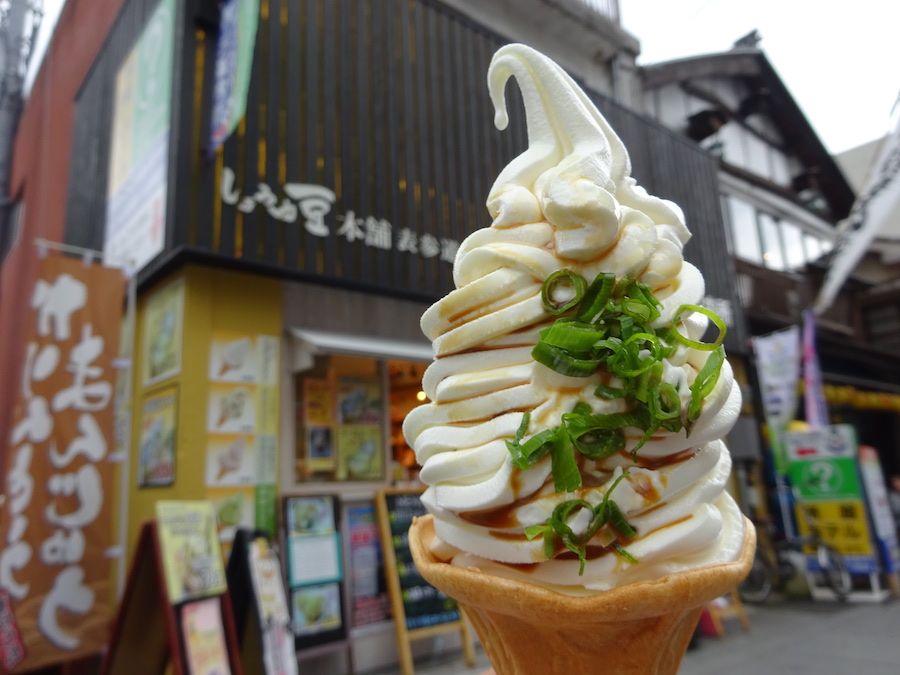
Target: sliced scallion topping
(704, 383)
(596, 297)
(562, 281)
(696, 344)
(561, 361)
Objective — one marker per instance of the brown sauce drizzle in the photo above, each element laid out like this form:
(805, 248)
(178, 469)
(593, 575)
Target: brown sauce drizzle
(515, 481)
(507, 536)
(642, 484)
(654, 463)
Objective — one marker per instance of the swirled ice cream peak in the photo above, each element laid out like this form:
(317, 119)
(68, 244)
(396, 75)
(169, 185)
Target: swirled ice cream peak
(567, 202)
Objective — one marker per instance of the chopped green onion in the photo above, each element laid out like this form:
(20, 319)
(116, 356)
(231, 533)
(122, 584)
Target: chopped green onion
(622, 553)
(705, 382)
(536, 448)
(618, 521)
(600, 444)
(572, 336)
(562, 278)
(562, 362)
(694, 344)
(566, 474)
(604, 391)
(596, 297)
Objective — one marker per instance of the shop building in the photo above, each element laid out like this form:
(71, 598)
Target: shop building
(281, 275)
(782, 196)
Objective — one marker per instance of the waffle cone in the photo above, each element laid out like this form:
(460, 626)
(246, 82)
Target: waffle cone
(526, 629)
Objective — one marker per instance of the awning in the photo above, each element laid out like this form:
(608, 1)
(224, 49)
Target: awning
(308, 343)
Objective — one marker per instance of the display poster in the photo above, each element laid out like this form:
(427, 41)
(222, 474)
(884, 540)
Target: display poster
(359, 401)
(318, 402)
(162, 334)
(139, 146)
(56, 517)
(880, 508)
(242, 429)
(234, 507)
(192, 559)
(157, 448)
(369, 601)
(233, 358)
(823, 469)
(279, 657)
(316, 609)
(315, 568)
(313, 542)
(360, 452)
(204, 638)
(778, 367)
(234, 60)
(423, 604)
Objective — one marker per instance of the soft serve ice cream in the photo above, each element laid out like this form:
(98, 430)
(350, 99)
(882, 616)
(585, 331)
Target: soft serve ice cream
(573, 438)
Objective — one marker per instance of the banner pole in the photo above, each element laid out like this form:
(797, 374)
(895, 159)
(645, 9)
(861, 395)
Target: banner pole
(125, 466)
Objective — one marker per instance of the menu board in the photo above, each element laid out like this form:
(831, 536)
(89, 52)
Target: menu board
(423, 604)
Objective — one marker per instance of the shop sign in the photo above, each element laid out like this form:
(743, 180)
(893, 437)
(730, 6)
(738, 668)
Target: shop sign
(829, 498)
(56, 519)
(314, 202)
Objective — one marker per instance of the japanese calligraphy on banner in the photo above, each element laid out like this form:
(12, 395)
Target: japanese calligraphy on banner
(778, 367)
(56, 527)
(312, 203)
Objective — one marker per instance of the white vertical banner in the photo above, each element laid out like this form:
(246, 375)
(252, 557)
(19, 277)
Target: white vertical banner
(872, 215)
(778, 366)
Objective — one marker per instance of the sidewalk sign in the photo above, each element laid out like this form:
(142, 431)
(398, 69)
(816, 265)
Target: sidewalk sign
(420, 610)
(824, 471)
(176, 610)
(261, 613)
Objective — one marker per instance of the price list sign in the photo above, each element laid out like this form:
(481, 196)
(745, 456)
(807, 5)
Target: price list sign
(423, 604)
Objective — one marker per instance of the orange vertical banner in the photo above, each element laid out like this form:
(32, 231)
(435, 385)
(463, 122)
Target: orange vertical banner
(56, 589)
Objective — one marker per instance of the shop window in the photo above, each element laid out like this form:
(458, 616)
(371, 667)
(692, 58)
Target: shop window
(349, 418)
(773, 256)
(744, 234)
(793, 246)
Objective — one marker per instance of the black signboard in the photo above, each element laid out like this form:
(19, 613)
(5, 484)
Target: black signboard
(423, 604)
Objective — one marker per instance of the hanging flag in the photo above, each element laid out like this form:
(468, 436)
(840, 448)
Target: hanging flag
(813, 393)
(56, 589)
(778, 367)
(873, 214)
(234, 63)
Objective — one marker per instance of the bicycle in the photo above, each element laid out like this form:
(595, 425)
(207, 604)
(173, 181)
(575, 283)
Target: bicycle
(773, 565)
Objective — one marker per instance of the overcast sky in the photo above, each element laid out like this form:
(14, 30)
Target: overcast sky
(840, 60)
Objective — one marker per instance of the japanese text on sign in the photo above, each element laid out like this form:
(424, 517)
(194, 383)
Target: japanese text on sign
(313, 203)
(56, 526)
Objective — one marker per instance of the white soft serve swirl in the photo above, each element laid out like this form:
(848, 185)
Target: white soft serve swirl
(568, 201)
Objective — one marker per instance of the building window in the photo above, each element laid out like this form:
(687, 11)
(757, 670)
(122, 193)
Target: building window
(773, 256)
(793, 246)
(813, 246)
(744, 233)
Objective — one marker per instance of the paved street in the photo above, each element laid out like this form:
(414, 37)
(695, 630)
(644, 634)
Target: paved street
(796, 638)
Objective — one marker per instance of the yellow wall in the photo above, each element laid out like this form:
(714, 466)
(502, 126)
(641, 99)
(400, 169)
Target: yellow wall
(215, 300)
